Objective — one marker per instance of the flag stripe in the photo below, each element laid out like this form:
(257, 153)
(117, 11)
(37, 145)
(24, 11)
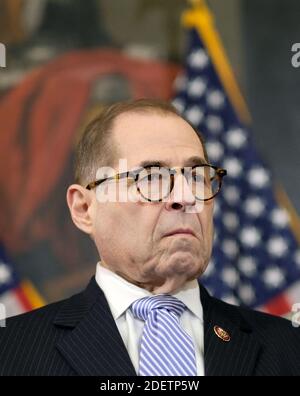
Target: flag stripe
(280, 305)
(17, 296)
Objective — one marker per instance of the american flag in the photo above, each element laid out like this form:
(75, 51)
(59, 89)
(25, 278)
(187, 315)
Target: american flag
(256, 259)
(16, 295)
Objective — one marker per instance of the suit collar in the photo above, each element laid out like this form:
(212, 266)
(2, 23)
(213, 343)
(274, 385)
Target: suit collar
(119, 302)
(93, 346)
(237, 357)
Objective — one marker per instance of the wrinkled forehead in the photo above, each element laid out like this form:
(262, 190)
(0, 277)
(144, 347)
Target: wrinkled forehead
(166, 138)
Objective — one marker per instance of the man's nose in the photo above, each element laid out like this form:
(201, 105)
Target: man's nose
(181, 195)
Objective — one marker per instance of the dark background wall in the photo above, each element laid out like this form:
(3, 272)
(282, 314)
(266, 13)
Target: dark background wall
(269, 28)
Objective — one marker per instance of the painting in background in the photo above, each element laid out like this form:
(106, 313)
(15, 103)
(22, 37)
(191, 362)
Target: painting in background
(58, 78)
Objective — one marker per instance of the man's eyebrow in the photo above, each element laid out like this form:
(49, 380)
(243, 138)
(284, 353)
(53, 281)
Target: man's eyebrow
(195, 160)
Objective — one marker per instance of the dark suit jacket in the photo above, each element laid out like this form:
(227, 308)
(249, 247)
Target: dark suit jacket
(78, 336)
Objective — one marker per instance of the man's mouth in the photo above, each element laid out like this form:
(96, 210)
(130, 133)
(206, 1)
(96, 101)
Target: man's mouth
(181, 231)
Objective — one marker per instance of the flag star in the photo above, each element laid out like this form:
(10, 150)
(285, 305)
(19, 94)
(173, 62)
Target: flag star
(214, 123)
(277, 246)
(209, 270)
(230, 248)
(246, 294)
(230, 276)
(215, 150)
(258, 177)
(279, 217)
(236, 138)
(247, 265)
(216, 208)
(194, 114)
(197, 87)
(231, 194)
(230, 299)
(215, 99)
(181, 82)
(198, 59)
(210, 290)
(273, 277)
(250, 236)
(297, 257)
(254, 206)
(216, 236)
(231, 221)
(5, 274)
(179, 104)
(233, 166)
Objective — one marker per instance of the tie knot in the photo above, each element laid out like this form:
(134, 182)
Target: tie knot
(141, 308)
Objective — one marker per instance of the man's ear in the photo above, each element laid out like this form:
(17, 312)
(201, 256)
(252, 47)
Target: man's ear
(80, 202)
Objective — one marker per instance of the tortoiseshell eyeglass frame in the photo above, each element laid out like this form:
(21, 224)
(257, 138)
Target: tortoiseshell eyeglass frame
(134, 175)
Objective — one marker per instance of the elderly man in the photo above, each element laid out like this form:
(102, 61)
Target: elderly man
(145, 193)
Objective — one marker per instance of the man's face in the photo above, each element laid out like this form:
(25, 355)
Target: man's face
(131, 236)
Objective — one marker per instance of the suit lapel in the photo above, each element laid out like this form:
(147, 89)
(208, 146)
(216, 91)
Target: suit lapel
(238, 356)
(93, 345)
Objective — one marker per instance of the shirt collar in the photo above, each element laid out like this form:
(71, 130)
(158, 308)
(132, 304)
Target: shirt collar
(120, 293)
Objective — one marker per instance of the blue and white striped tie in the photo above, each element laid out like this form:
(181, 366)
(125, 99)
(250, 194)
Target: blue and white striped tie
(166, 349)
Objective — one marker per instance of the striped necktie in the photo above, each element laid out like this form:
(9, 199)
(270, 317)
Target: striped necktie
(165, 349)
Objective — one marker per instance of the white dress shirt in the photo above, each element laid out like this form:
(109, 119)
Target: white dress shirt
(120, 294)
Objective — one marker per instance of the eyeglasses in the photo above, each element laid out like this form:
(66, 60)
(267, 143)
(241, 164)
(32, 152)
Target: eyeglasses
(155, 183)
